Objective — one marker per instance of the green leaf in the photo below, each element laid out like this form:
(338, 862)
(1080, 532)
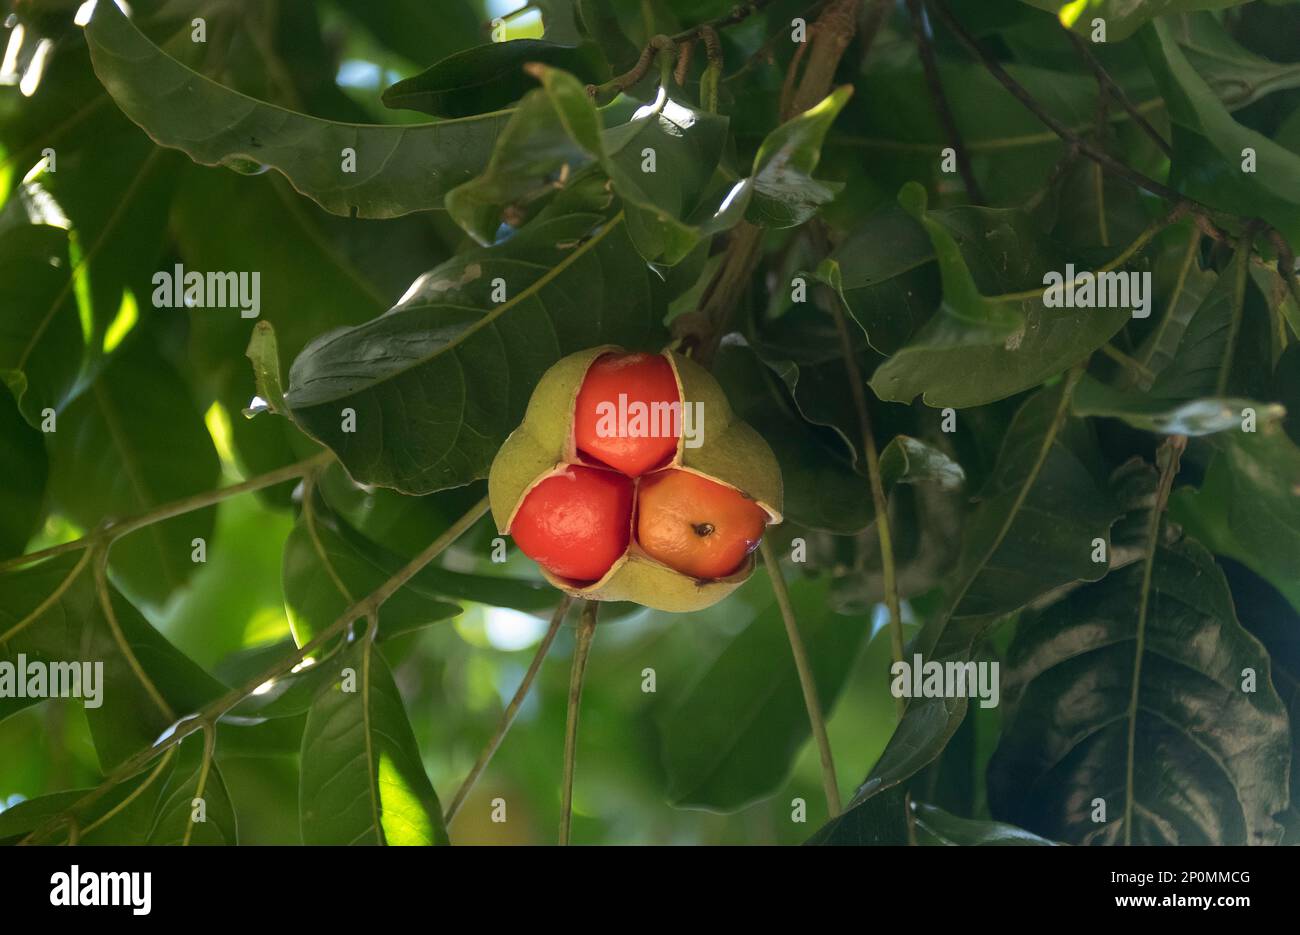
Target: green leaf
(1122, 17)
(25, 467)
(881, 274)
(1237, 76)
(822, 489)
(784, 192)
(439, 381)
(976, 350)
(41, 346)
(399, 169)
(362, 778)
(178, 802)
(1030, 533)
(1071, 675)
(1196, 417)
(1209, 145)
(490, 77)
(934, 826)
(132, 442)
(556, 132)
(324, 575)
(733, 736)
(1248, 506)
(418, 30)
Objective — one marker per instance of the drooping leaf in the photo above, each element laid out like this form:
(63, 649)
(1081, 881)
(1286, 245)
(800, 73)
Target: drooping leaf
(399, 169)
(437, 383)
(1209, 144)
(134, 441)
(362, 778)
(1158, 716)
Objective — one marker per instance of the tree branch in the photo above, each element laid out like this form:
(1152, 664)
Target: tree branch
(925, 50)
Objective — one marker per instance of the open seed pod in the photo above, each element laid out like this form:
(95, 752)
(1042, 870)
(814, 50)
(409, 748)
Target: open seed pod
(726, 451)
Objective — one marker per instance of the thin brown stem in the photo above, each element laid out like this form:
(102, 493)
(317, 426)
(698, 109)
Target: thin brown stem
(1107, 84)
(807, 683)
(112, 531)
(889, 577)
(586, 630)
(509, 714)
(925, 49)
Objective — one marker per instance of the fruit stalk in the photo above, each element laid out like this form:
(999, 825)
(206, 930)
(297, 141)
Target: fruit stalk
(586, 630)
(806, 681)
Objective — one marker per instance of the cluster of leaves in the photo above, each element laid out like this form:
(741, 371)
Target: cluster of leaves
(1023, 448)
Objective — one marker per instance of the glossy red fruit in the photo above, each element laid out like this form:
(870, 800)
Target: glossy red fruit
(576, 523)
(697, 526)
(628, 384)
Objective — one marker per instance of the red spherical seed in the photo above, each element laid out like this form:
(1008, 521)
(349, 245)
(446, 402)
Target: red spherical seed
(642, 380)
(576, 523)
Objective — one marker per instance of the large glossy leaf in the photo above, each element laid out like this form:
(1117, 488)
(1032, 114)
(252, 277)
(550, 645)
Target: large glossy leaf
(134, 441)
(1202, 760)
(732, 737)
(1209, 144)
(438, 382)
(1030, 533)
(976, 350)
(490, 77)
(362, 779)
(399, 169)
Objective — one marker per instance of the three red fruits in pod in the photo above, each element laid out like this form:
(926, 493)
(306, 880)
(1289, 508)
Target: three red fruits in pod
(634, 508)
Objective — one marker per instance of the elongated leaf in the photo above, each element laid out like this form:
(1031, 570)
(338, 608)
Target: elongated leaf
(134, 441)
(362, 779)
(438, 382)
(1203, 416)
(1209, 759)
(1209, 144)
(732, 738)
(399, 169)
(975, 350)
(490, 77)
